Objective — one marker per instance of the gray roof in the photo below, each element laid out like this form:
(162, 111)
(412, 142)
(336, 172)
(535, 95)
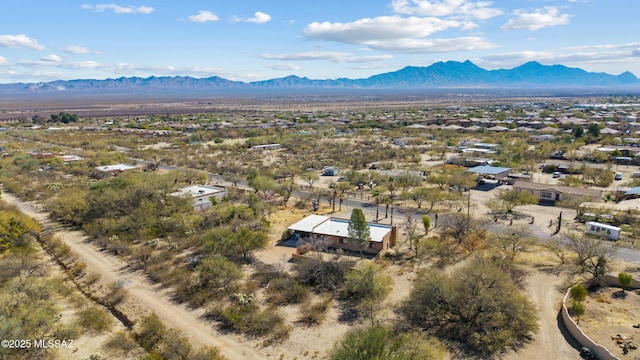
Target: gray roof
(488, 170)
(633, 191)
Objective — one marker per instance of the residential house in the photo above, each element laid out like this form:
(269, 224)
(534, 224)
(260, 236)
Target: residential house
(266, 147)
(201, 195)
(540, 137)
(333, 233)
(550, 194)
(116, 169)
(605, 230)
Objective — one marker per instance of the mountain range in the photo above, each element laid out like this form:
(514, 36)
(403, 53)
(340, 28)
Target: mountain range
(440, 75)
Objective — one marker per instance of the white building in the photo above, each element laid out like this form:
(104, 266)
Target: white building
(116, 169)
(599, 229)
(201, 195)
(266, 147)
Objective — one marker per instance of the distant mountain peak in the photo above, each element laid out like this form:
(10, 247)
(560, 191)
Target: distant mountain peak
(439, 75)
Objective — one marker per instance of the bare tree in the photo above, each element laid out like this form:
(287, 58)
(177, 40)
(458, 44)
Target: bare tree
(511, 242)
(592, 255)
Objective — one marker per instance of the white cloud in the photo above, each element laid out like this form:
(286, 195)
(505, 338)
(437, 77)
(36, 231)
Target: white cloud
(399, 34)
(51, 58)
(203, 16)
(119, 9)
(19, 41)
(335, 56)
(383, 28)
(478, 10)
(575, 56)
(3, 61)
(55, 61)
(465, 43)
(283, 67)
(259, 18)
(77, 50)
(540, 18)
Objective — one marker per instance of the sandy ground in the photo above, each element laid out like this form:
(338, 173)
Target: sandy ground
(606, 316)
(145, 297)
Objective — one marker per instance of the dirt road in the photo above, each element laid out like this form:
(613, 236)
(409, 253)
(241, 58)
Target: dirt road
(549, 342)
(146, 296)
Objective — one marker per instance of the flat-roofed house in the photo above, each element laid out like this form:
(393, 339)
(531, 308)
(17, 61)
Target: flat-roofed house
(550, 194)
(116, 169)
(266, 147)
(201, 195)
(334, 233)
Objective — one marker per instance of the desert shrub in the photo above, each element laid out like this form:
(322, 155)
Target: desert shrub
(284, 291)
(366, 282)
(175, 346)
(151, 332)
(94, 318)
(206, 353)
(117, 294)
(323, 276)
(577, 308)
(251, 320)
(378, 342)
(78, 268)
(579, 292)
(67, 331)
(266, 272)
(121, 342)
(313, 314)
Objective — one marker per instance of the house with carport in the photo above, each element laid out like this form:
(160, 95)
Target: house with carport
(550, 194)
(333, 233)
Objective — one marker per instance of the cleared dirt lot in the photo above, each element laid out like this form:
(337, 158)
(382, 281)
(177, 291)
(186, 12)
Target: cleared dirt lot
(607, 314)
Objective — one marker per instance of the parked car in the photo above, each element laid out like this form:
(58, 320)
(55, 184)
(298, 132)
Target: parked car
(617, 176)
(557, 174)
(586, 353)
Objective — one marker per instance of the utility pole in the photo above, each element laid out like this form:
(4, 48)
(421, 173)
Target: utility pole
(468, 210)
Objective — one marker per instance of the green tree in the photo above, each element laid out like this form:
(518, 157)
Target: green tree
(512, 198)
(310, 177)
(462, 307)
(577, 132)
(578, 292)
(577, 309)
(262, 184)
(358, 230)
(625, 280)
(594, 129)
(426, 222)
(217, 273)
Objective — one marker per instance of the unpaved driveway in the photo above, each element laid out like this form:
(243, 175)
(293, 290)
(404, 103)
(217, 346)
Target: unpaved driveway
(549, 342)
(143, 295)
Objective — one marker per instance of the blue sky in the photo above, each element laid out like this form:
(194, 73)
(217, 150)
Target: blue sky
(44, 40)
